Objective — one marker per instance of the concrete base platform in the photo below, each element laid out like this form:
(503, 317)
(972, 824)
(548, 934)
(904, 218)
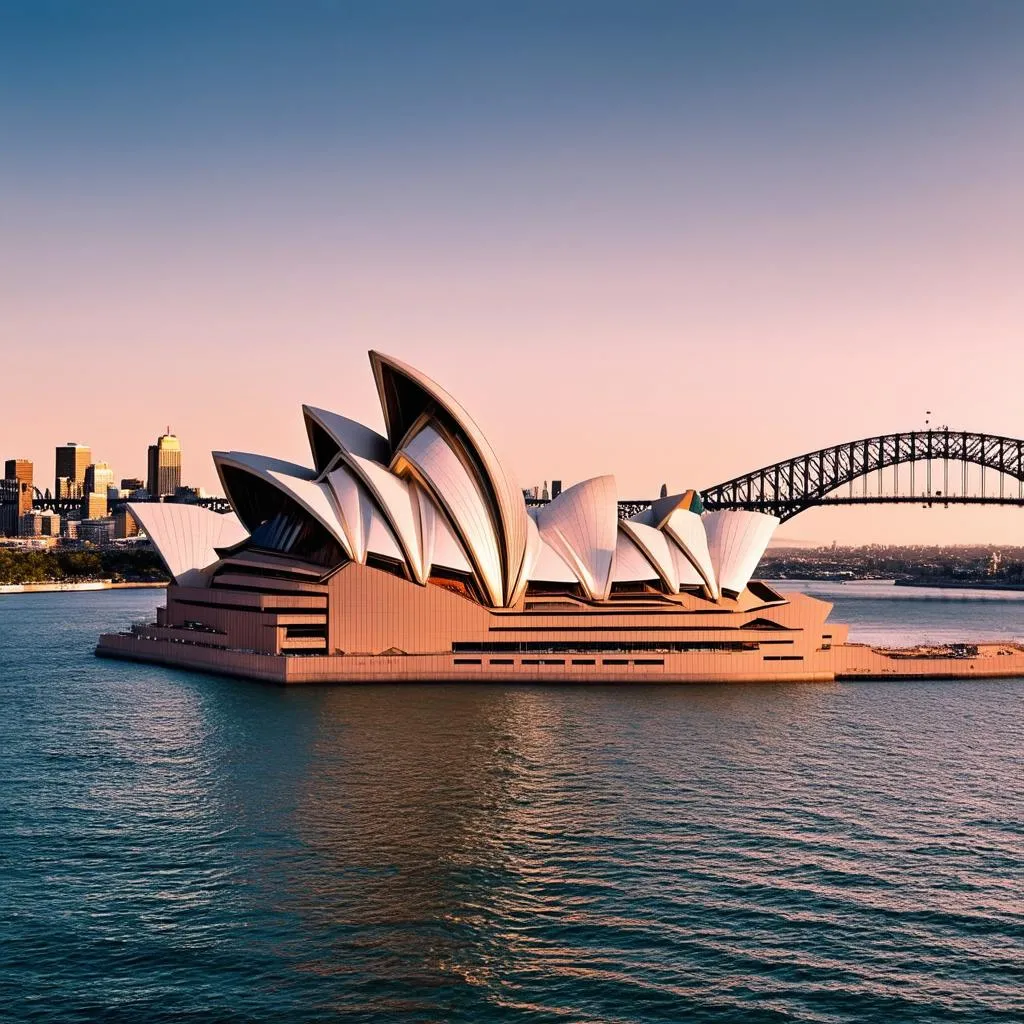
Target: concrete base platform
(844, 662)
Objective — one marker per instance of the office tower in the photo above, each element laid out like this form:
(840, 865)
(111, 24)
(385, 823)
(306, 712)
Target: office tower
(556, 489)
(94, 505)
(15, 495)
(20, 470)
(9, 514)
(164, 466)
(72, 461)
(98, 477)
(132, 483)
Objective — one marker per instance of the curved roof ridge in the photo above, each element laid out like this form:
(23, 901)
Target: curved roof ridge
(433, 463)
(402, 389)
(686, 530)
(299, 483)
(581, 524)
(655, 547)
(398, 504)
(330, 433)
(186, 536)
(737, 539)
(631, 562)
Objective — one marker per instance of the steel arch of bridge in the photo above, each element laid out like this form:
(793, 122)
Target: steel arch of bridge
(788, 488)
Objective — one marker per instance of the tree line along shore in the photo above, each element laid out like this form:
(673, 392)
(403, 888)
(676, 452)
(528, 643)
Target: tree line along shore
(80, 566)
(956, 562)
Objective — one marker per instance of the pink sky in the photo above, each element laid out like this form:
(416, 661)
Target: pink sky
(772, 276)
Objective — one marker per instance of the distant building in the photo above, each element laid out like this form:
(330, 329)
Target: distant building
(556, 489)
(94, 506)
(164, 466)
(71, 463)
(15, 495)
(96, 531)
(9, 515)
(20, 470)
(124, 524)
(69, 530)
(132, 483)
(98, 477)
(39, 524)
(51, 524)
(189, 493)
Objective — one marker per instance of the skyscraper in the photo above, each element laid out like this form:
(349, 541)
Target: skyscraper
(164, 466)
(21, 471)
(98, 477)
(72, 461)
(15, 495)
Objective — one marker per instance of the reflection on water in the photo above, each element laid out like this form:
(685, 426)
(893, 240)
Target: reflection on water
(179, 846)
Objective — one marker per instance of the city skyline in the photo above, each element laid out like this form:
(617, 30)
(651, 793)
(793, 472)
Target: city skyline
(747, 236)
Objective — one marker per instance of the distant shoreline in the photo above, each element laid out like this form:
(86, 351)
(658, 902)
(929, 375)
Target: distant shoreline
(947, 584)
(59, 588)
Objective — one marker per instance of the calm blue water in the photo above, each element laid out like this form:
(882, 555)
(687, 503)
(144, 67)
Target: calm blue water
(178, 847)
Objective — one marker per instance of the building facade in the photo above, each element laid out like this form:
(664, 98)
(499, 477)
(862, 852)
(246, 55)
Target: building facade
(95, 506)
(164, 474)
(98, 478)
(16, 493)
(99, 532)
(72, 460)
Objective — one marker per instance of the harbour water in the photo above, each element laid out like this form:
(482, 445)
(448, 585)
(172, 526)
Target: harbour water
(179, 847)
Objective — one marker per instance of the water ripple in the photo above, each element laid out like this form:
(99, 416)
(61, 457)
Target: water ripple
(178, 847)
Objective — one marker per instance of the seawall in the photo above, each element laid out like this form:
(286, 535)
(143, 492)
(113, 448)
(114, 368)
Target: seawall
(89, 585)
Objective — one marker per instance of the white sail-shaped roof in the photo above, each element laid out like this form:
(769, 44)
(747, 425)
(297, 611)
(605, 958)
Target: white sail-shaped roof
(365, 525)
(581, 524)
(406, 395)
(433, 494)
(186, 536)
(380, 539)
(447, 552)
(631, 565)
(655, 546)
(686, 529)
(549, 567)
(434, 464)
(298, 482)
(330, 434)
(685, 569)
(737, 539)
(529, 558)
(400, 507)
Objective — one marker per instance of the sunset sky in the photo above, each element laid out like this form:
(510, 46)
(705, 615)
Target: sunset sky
(669, 241)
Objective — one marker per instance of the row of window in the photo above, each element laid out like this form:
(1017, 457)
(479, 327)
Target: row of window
(598, 646)
(561, 661)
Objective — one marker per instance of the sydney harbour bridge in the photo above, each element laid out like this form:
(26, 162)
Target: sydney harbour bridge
(920, 467)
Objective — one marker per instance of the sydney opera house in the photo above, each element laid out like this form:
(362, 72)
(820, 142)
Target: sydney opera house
(412, 555)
